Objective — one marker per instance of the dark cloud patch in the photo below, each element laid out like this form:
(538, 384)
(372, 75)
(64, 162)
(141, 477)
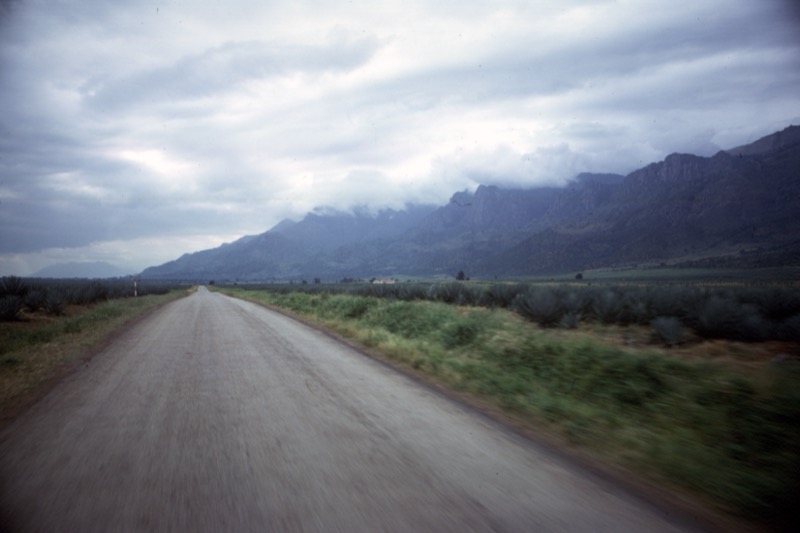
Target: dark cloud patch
(7, 9)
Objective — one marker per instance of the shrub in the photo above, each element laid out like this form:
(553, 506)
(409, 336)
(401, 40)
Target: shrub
(412, 292)
(669, 330)
(627, 380)
(679, 302)
(453, 293)
(775, 304)
(501, 295)
(725, 318)
(462, 332)
(752, 326)
(541, 305)
(607, 306)
(35, 300)
(158, 290)
(13, 286)
(405, 318)
(98, 292)
(635, 309)
(55, 303)
(574, 302)
(10, 306)
(789, 329)
(355, 306)
(570, 320)
(718, 317)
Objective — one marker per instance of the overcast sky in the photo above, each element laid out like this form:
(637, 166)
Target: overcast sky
(133, 132)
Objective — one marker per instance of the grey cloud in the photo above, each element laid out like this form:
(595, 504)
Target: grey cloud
(81, 84)
(606, 70)
(544, 68)
(223, 67)
(60, 193)
(27, 226)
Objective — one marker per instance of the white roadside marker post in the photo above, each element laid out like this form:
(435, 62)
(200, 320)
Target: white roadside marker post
(135, 280)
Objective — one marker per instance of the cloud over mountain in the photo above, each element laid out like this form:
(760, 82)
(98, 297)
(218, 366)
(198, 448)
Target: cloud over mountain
(180, 126)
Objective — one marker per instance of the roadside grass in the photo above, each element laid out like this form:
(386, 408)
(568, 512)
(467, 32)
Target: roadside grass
(35, 349)
(722, 421)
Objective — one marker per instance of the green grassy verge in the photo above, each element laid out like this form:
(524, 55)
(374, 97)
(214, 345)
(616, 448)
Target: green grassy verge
(35, 349)
(729, 433)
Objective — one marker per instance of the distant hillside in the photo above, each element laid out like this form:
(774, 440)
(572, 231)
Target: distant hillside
(88, 270)
(735, 209)
(288, 250)
(786, 138)
(729, 210)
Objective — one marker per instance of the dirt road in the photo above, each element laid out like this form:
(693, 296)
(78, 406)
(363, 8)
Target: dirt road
(215, 414)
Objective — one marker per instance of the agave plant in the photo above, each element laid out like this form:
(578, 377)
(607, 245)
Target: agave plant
(541, 305)
(13, 286)
(607, 306)
(10, 306)
(669, 330)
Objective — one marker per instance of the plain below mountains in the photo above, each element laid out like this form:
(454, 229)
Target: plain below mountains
(739, 208)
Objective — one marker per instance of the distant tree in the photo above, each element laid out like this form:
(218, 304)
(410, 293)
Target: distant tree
(304, 282)
(317, 281)
(579, 275)
(461, 276)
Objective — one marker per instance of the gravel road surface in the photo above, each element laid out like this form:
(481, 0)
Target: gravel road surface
(215, 414)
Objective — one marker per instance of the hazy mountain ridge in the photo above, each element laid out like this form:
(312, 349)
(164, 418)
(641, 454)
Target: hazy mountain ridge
(736, 208)
(330, 229)
(785, 138)
(683, 206)
(87, 269)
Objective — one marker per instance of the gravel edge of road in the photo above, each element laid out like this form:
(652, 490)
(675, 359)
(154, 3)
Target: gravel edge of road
(670, 502)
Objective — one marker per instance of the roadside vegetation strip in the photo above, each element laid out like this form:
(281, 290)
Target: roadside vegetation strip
(744, 312)
(726, 430)
(37, 346)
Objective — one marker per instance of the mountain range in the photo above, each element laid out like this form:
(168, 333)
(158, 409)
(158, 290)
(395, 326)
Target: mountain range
(86, 269)
(739, 208)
